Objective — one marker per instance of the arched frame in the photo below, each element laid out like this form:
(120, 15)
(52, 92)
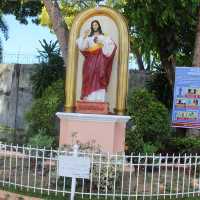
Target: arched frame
(71, 72)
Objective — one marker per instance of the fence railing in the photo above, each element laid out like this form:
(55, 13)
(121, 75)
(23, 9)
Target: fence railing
(111, 176)
(20, 59)
(14, 58)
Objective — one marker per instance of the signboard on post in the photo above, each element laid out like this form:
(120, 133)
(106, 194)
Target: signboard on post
(186, 101)
(74, 167)
(77, 167)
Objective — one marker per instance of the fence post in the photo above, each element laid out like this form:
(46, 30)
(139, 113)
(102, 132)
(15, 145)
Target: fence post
(73, 186)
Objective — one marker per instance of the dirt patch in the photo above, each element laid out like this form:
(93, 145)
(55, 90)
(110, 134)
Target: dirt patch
(13, 196)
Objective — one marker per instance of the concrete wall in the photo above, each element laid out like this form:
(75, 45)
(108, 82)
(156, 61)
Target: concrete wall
(137, 79)
(15, 96)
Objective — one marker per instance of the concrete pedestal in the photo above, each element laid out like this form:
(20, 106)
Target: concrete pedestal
(108, 131)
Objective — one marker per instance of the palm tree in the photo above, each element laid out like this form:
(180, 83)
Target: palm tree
(49, 50)
(4, 30)
(49, 70)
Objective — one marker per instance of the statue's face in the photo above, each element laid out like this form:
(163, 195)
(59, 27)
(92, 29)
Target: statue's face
(95, 26)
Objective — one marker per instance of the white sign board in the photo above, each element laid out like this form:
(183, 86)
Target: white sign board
(76, 167)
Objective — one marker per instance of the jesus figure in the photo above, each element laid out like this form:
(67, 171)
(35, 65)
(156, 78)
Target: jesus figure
(98, 51)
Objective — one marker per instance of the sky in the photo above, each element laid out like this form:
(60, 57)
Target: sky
(24, 39)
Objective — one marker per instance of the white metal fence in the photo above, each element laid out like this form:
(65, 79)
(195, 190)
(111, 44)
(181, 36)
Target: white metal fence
(12, 58)
(111, 176)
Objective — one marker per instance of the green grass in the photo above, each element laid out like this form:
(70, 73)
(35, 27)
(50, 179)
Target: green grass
(59, 196)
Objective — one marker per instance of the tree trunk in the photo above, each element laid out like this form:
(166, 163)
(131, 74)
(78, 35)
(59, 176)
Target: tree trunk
(196, 57)
(59, 26)
(196, 63)
(139, 60)
(138, 56)
(168, 64)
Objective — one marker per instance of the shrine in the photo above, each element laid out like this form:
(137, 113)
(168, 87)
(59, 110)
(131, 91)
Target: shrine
(96, 80)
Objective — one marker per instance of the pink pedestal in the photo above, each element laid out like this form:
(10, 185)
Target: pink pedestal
(108, 131)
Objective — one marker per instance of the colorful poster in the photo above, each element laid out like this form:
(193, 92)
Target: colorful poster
(186, 102)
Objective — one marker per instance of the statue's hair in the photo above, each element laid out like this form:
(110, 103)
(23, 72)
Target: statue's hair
(99, 29)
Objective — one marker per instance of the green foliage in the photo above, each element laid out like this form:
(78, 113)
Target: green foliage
(50, 70)
(4, 31)
(159, 85)
(41, 140)
(159, 28)
(48, 89)
(108, 174)
(184, 145)
(49, 50)
(150, 118)
(134, 140)
(3, 27)
(138, 100)
(164, 35)
(150, 148)
(69, 9)
(21, 9)
(42, 113)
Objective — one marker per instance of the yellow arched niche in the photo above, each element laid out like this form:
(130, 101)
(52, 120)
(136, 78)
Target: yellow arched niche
(71, 72)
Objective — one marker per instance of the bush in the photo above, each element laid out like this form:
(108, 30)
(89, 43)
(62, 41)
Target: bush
(41, 140)
(150, 118)
(184, 145)
(42, 113)
(134, 140)
(150, 148)
(159, 85)
(48, 89)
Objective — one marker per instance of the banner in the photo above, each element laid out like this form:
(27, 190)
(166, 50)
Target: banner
(186, 101)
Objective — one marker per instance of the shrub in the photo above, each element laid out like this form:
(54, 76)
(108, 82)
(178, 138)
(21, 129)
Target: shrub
(48, 89)
(150, 148)
(150, 119)
(134, 140)
(42, 113)
(109, 173)
(184, 145)
(159, 85)
(41, 140)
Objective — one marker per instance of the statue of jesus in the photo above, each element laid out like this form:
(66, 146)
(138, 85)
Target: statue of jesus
(98, 51)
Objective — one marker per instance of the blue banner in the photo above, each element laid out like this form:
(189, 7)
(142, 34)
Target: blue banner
(186, 101)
